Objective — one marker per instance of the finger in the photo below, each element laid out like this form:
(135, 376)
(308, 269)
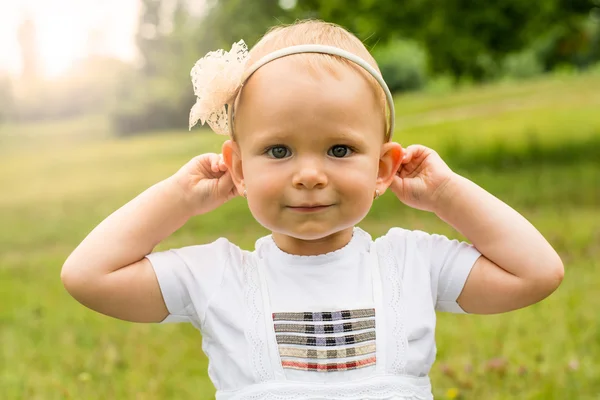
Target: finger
(408, 155)
(214, 162)
(400, 168)
(233, 193)
(396, 185)
(197, 162)
(222, 165)
(412, 152)
(225, 185)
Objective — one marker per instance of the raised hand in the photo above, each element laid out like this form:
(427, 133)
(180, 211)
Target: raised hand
(421, 178)
(205, 183)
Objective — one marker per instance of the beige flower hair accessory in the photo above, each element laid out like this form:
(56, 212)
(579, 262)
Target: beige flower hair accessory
(216, 78)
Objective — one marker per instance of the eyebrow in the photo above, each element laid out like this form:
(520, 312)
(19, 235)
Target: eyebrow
(281, 135)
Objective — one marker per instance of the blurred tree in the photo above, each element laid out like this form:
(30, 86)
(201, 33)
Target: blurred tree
(463, 37)
(171, 36)
(232, 20)
(149, 40)
(168, 39)
(403, 64)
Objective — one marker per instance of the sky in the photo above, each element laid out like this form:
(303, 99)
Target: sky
(64, 30)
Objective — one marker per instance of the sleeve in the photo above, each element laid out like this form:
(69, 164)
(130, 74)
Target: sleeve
(190, 276)
(449, 263)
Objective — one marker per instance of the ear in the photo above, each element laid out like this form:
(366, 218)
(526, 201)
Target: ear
(232, 157)
(389, 162)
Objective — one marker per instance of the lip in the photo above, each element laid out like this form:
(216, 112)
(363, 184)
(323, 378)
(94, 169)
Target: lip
(307, 208)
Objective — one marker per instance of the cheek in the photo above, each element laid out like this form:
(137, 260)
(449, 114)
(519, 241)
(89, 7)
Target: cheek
(359, 177)
(357, 184)
(264, 182)
(265, 187)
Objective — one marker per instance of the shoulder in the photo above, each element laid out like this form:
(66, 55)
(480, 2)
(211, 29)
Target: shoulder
(421, 241)
(219, 250)
(190, 277)
(187, 263)
(431, 261)
(434, 251)
(406, 239)
(405, 252)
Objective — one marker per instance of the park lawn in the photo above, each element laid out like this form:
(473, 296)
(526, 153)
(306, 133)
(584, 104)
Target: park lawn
(535, 145)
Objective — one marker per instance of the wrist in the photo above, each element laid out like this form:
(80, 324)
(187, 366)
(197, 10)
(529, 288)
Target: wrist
(447, 194)
(182, 199)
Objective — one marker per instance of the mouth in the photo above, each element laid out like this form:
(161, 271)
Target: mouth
(310, 207)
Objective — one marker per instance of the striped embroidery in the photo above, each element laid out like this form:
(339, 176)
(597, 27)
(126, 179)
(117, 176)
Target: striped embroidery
(310, 366)
(325, 340)
(313, 339)
(327, 354)
(324, 316)
(322, 329)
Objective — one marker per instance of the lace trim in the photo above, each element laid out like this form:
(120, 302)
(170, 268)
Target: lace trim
(378, 389)
(360, 238)
(252, 297)
(373, 393)
(394, 301)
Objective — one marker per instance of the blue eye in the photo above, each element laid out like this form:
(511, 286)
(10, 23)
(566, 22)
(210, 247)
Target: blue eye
(339, 151)
(279, 152)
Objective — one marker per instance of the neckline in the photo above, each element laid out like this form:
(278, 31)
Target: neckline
(359, 242)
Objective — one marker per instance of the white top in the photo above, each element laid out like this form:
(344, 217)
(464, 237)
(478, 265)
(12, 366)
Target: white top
(352, 324)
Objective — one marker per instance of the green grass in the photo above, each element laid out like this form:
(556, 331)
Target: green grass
(534, 145)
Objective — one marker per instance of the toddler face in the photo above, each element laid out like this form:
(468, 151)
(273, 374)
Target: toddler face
(309, 143)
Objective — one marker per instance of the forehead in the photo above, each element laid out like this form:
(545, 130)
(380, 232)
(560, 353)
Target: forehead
(290, 96)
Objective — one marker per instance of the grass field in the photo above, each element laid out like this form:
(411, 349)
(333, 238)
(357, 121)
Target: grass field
(534, 145)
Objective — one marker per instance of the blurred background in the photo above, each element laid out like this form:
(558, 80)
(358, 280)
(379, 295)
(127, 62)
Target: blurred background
(94, 103)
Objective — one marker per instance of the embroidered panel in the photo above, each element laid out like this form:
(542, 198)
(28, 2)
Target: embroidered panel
(316, 341)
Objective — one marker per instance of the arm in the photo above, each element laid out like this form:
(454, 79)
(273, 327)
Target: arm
(108, 273)
(518, 266)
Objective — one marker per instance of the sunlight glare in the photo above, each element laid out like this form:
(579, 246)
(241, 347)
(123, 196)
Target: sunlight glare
(66, 31)
(59, 46)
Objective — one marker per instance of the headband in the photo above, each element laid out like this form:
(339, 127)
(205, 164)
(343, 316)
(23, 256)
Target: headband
(218, 77)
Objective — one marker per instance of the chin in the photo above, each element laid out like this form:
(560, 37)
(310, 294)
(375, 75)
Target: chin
(311, 233)
(309, 229)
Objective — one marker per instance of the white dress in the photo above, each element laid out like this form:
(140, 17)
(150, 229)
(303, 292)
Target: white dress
(357, 323)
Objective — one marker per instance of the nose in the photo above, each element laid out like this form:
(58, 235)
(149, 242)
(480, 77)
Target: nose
(310, 174)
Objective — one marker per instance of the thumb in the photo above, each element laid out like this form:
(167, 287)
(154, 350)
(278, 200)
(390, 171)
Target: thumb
(225, 186)
(396, 185)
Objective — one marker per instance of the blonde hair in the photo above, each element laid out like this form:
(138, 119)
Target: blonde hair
(323, 33)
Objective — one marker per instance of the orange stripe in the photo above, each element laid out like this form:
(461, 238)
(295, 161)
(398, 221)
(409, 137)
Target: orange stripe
(328, 367)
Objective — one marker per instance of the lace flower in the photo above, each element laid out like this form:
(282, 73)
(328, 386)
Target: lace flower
(216, 78)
